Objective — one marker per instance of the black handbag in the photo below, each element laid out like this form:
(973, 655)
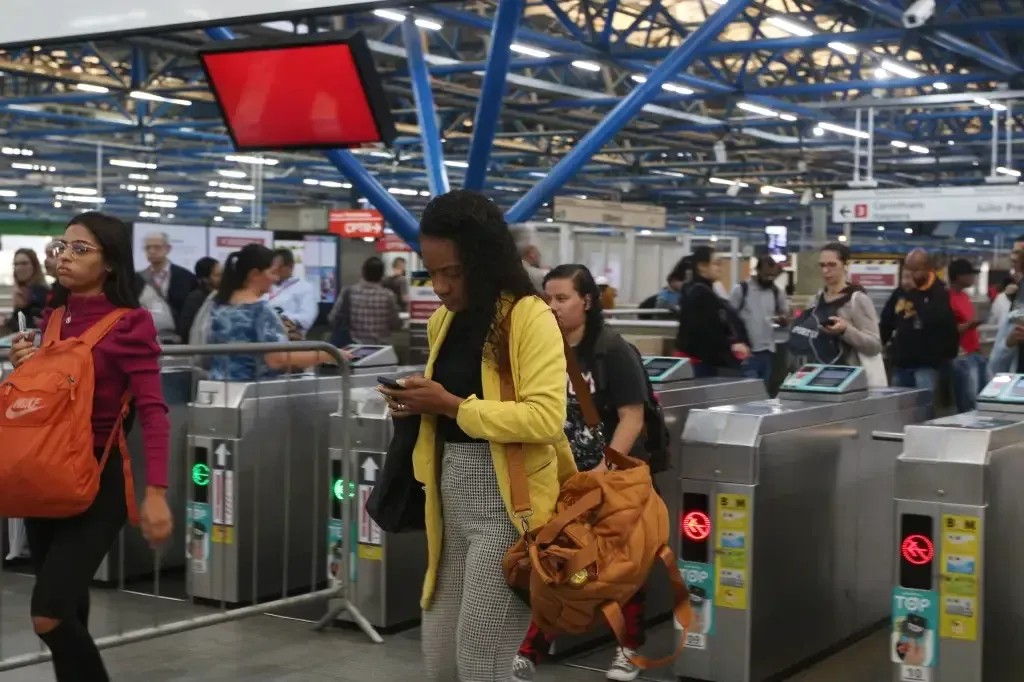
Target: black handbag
(397, 501)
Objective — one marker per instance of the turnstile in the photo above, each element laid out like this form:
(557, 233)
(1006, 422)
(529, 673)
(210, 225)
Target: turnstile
(176, 381)
(389, 568)
(957, 606)
(785, 530)
(258, 504)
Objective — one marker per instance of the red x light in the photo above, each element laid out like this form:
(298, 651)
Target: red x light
(696, 526)
(917, 549)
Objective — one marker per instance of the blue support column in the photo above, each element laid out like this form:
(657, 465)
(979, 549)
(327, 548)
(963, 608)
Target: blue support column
(492, 92)
(399, 219)
(430, 133)
(627, 109)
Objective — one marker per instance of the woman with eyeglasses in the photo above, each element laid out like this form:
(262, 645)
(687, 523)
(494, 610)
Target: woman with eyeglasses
(96, 276)
(30, 289)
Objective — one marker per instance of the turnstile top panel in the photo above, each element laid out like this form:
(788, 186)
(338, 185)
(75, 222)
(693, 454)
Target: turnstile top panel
(743, 423)
(667, 370)
(834, 381)
(210, 393)
(710, 391)
(371, 356)
(966, 438)
(1005, 393)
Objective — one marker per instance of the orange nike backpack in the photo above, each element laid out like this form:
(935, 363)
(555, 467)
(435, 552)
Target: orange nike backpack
(47, 465)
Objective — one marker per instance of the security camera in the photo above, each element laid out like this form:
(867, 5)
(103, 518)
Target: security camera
(918, 13)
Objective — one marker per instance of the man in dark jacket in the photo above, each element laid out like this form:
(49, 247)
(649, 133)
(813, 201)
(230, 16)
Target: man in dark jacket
(920, 325)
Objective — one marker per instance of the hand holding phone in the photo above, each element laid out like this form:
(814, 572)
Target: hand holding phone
(390, 383)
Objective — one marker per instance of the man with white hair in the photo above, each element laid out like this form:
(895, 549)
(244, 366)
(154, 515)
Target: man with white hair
(171, 282)
(530, 254)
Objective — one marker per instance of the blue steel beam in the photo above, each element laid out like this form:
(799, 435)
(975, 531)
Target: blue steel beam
(622, 114)
(492, 92)
(943, 39)
(400, 220)
(430, 134)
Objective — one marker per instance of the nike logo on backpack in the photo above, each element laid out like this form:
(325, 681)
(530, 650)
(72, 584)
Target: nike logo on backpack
(23, 406)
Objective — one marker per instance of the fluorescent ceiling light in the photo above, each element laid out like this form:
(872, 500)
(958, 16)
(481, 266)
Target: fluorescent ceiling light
(18, 165)
(457, 164)
(969, 240)
(403, 191)
(15, 151)
(677, 89)
(8, 193)
(996, 106)
(1008, 171)
(724, 181)
(843, 130)
(671, 174)
(787, 117)
(900, 69)
(842, 237)
(161, 197)
(231, 185)
(231, 173)
(538, 174)
(79, 200)
(230, 209)
(425, 193)
(939, 85)
(586, 66)
(529, 51)
(148, 214)
(335, 185)
(237, 196)
(982, 101)
(755, 109)
(428, 24)
(789, 26)
(138, 176)
(881, 74)
(899, 144)
(699, 219)
(908, 230)
(149, 96)
(769, 189)
(390, 15)
(128, 163)
(218, 219)
(818, 131)
(881, 228)
(89, 87)
(162, 204)
(638, 78)
(84, 191)
(819, 195)
(918, 149)
(306, 181)
(251, 160)
(848, 50)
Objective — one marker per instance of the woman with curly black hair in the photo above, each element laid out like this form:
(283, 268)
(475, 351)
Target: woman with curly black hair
(472, 622)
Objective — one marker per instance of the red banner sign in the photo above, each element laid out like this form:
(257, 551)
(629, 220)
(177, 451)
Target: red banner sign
(392, 242)
(356, 223)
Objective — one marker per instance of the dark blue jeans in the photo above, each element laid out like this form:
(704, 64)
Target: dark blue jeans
(759, 366)
(970, 374)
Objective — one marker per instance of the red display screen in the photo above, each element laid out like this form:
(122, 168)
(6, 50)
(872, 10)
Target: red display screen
(696, 526)
(313, 92)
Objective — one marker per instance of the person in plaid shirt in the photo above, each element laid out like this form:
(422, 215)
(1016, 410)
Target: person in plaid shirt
(368, 309)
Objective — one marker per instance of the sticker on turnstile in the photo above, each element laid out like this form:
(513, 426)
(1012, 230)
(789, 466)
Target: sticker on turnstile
(699, 579)
(913, 644)
(731, 551)
(335, 549)
(197, 541)
(960, 568)
(369, 531)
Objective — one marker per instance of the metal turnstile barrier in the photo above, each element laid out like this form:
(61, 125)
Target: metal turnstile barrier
(390, 566)
(956, 603)
(256, 507)
(785, 526)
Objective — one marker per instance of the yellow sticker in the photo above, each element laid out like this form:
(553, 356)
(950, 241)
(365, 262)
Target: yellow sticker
(371, 552)
(961, 566)
(732, 535)
(223, 535)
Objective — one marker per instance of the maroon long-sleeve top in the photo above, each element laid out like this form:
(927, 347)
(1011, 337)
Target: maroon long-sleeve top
(126, 358)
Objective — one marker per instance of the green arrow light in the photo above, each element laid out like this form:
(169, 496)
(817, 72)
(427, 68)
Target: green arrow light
(338, 489)
(201, 475)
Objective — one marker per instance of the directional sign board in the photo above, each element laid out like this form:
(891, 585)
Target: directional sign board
(223, 482)
(929, 204)
(369, 467)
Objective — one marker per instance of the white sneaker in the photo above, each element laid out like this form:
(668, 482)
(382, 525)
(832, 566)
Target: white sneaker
(622, 669)
(523, 669)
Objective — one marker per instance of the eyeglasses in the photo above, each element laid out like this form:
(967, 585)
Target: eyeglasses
(56, 248)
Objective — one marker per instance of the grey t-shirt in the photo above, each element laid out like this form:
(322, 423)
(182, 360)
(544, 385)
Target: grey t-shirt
(761, 305)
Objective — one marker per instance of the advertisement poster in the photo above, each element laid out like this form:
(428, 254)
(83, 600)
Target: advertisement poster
(197, 542)
(356, 223)
(732, 549)
(223, 241)
(188, 243)
(915, 614)
(875, 275)
(320, 256)
(422, 299)
(335, 549)
(961, 565)
(699, 579)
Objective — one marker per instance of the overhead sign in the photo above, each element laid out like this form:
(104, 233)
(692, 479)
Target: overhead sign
(31, 21)
(356, 223)
(392, 242)
(594, 212)
(875, 275)
(929, 204)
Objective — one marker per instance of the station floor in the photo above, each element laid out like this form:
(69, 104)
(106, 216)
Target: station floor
(284, 649)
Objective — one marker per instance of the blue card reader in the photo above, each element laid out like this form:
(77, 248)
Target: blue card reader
(822, 380)
(372, 356)
(1005, 393)
(667, 370)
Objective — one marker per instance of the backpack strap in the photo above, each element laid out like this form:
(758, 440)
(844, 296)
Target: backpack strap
(94, 334)
(52, 333)
(117, 435)
(744, 289)
(682, 611)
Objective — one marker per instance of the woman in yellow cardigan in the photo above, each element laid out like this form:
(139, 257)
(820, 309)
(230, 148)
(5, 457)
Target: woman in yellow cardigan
(472, 622)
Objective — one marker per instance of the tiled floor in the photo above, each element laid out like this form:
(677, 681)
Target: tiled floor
(266, 648)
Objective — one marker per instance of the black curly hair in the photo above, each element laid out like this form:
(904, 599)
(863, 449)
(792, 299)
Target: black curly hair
(491, 263)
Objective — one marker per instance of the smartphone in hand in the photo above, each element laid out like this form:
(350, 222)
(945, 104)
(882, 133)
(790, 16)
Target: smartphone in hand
(390, 383)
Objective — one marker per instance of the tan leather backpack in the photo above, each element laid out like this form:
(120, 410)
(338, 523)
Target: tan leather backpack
(597, 551)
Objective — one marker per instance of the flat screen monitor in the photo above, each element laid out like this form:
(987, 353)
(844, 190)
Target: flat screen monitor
(831, 377)
(310, 92)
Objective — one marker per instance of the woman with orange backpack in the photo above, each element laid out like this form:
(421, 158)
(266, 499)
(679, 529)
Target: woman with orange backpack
(98, 356)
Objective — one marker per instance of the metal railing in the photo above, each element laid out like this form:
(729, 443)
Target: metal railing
(241, 525)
